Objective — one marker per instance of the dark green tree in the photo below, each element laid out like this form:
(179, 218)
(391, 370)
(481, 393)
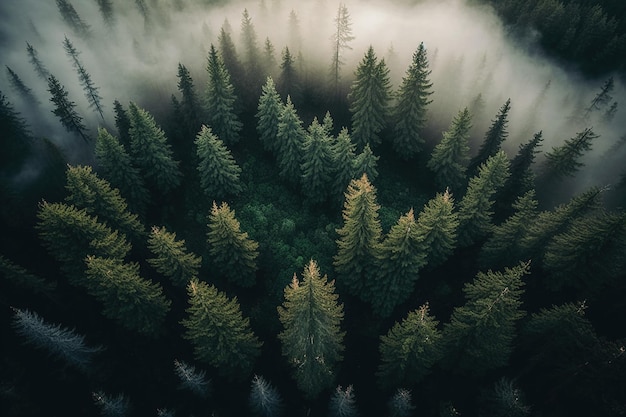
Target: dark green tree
(344, 158)
(369, 99)
(172, 259)
(343, 403)
(365, 163)
(15, 141)
(312, 340)
(189, 104)
(233, 253)
(251, 55)
(341, 38)
(220, 100)
(72, 19)
(219, 173)
(409, 350)
(494, 137)
(220, 335)
(23, 279)
(91, 91)
(64, 109)
(287, 84)
(291, 136)
(602, 99)
(18, 85)
(564, 161)
(408, 116)
(229, 55)
(38, 66)
(437, 226)
(268, 114)
(318, 163)
(122, 124)
(269, 57)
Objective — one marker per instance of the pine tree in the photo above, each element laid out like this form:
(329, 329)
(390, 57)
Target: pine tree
(268, 115)
(450, 157)
(114, 165)
(317, 163)
(340, 39)
(409, 349)
(401, 405)
(251, 55)
(344, 159)
(264, 399)
(189, 105)
(106, 10)
(220, 100)
(21, 88)
(475, 209)
(151, 152)
(312, 340)
(220, 335)
(111, 406)
(64, 109)
(564, 161)
(358, 246)
(219, 173)
(122, 124)
(72, 19)
(172, 258)
(137, 304)
(408, 116)
(401, 258)
(60, 342)
(505, 399)
(294, 36)
(437, 226)
(291, 136)
(87, 191)
(38, 66)
(494, 137)
(365, 163)
(602, 99)
(269, 57)
(23, 279)
(480, 334)
(342, 403)
(287, 84)
(192, 379)
(369, 99)
(230, 57)
(232, 252)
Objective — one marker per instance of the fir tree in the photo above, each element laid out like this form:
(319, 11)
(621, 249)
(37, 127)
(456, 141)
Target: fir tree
(136, 303)
(480, 334)
(505, 399)
(191, 379)
(291, 136)
(294, 36)
(22, 278)
(317, 163)
(264, 399)
(401, 405)
(312, 340)
(409, 113)
(358, 246)
(340, 39)
(342, 403)
(365, 163)
(369, 99)
(172, 258)
(15, 140)
(268, 114)
(602, 99)
(114, 164)
(72, 19)
(151, 152)
(111, 406)
(344, 158)
(122, 124)
(251, 55)
(437, 226)
(450, 157)
(106, 10)
(64, 109)
(409, 349)
(220, 100)
(189, 105)
(220, 335)
(269, 57)
(564, 161)
(232, 252)
(475, 209)
(288, 79)
(19, 86)
(494, 137)
(38, 66)
(219, 173)
(229, 56)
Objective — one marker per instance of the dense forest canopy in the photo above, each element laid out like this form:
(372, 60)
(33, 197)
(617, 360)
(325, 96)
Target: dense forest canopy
(312, 208)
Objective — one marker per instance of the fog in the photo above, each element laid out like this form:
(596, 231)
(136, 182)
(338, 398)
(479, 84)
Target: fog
(136, 58)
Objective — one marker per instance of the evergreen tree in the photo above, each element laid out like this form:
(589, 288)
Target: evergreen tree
(369, 99)
(23, 279)
(401, 258)
(317, 163)
(61, 342)
(409, 113)
(436, 227)
(151, 152)
(230, 57)
(219, 173)
(91, 91)
(264, 399)
(291, 136)
(342, 403)
(494, 137)
(294, 37)
(251, 55)
(220, 100)
(365, 163)
(288, 79)
(15, 140)
(480, 334)
(21, 88)
(475, 208)
(189, 105)
(268, 115)
(172, 258)
(122, 124)
(564, 161)
(602, 99)
(232, 252)
(87, 191)
(269, 57)
(450, 157)
(136, 303)
(358, 246)
(220, 335)
(64, 109)
(72, 19)
(111, 406)
(38, 66)
(505, 399)
(312, 340)
(409, 349)
(340, 39)
(114, 164)
(106, 10)
(192, 379)
(401, 405)
(344, 158)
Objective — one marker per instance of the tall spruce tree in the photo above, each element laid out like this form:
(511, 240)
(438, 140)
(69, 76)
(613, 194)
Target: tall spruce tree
(268, 115)
(89, 88)
(106, 10)
(251, 56)
(291, 136)
(450, 157)
(408, 116)
(219, 173)
(172, 259)
(480, 334)
(15, 140)
(18, 85)
(72, 19)
(358, 246)
(229, 55)
(344, 158)
(366, 163)
(220, 100)
(38, 66)
(564, 161)
(437, 226)
(151, 152)
(189, 104)
(409, 349)
(268, 60)
(318, 163)
(494, 137)
(287, 84)
(233, 253)
(64, 109)
(312, 340)
(341, 39)
(122, 124)
(369, 99)
(219, 333)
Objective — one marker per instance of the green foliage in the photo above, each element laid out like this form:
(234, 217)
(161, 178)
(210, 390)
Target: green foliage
(134, 302)
(122, 124)
(409, 113)
(220, 335)
(189, 104)
(344, 160)
(64, 109)
(318, 163)
(312, 340)
(341, 38)
(494, 137)
(291, 137)
(365, 163)
(409, 349)
(172, 258)
(268, 115)
(480, 334)
(288, 80)
(219, 173)
(437, 226)
(232, 252)
(564, 161)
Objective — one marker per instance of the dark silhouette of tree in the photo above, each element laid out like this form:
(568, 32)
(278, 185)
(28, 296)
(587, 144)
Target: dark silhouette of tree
(494, 137)
(341, 39)
(288, 79)
(268, 60)
(564, 161)
(230, 57)
(317, 163)
(251, 56)
(437, 226)
(291, 136)
(189, 104)
(72, 19)
(106, 10)
(38, 66)
(602, 99)
(15, 140)
(219, 173)
(172, 259)
(90, 89)
(21, 88)
(64, 109)
(344, 158)
(268, 114)
(294, 35)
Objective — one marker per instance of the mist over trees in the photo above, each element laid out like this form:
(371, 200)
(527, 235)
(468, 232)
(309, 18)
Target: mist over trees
(312, 208)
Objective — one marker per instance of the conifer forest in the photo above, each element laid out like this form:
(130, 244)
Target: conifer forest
(313, 208)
